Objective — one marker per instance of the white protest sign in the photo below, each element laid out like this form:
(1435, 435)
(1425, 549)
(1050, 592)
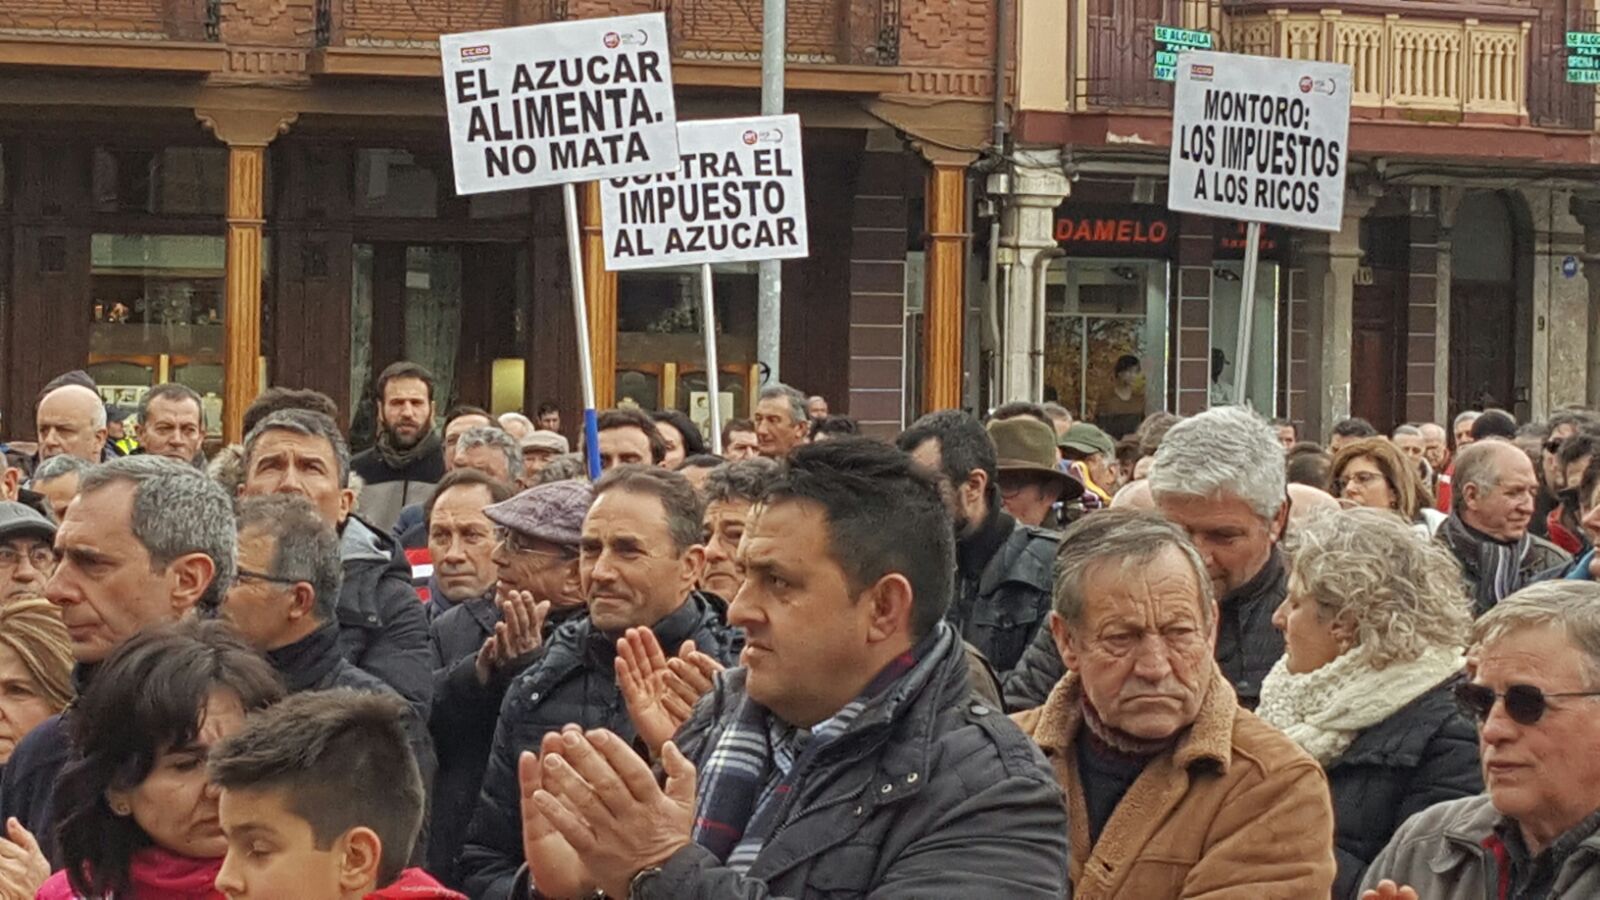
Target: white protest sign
(738, 193)
(1260, 140)
(564, 102)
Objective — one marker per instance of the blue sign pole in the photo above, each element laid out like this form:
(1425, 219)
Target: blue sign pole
(580, 312)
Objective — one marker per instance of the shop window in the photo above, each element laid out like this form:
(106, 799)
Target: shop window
(1227, 292)
(395, 184)
(661, 344)
(156, 315)
(1105, 348)
(166, 181)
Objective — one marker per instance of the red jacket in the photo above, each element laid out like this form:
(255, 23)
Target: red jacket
(415, 884)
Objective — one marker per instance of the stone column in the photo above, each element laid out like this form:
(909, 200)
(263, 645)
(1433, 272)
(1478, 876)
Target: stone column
(1027, 230)
(600, 289)
(1331, 263)
(247, 134)
(1447, 201)
(1587, 211)
(1560, 305)
(949, 245)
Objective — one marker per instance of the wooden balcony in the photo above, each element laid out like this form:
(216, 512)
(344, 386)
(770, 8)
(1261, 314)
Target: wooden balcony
(1484, 62)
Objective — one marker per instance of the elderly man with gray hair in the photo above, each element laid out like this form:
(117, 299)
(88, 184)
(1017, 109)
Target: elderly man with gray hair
(781, 420)
(1172, 788)
(1220, 477)
(491, 451)
(147, 541)
(1496, 491)
(1535, 832)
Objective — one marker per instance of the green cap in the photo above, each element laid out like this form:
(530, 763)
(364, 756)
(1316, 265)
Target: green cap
(1087, 439)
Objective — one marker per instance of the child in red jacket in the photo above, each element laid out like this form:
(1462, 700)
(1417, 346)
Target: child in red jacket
(321, 800)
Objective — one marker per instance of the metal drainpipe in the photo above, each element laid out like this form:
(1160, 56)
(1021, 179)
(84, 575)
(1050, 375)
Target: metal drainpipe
(1041, 265)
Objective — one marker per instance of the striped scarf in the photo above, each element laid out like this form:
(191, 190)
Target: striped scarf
(1496, 566)
(749, 781)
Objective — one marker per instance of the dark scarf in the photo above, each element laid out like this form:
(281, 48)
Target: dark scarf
(743, 800)
(400, 460)
(304, 663)
(1495, 566)
(1109, 762)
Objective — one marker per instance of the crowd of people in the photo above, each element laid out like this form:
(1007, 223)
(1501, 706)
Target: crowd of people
(1000, 657)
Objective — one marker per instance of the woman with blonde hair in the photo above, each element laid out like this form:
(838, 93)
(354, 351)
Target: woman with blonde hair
(1374, 624)
(1372, 472)
(35, 669)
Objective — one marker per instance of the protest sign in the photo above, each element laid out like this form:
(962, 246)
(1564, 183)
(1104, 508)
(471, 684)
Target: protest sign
(737, 194)
(557, 103)
(1260, 140)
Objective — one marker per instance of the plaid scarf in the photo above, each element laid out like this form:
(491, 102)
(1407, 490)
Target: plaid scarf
(1497, 566)
(749, 781)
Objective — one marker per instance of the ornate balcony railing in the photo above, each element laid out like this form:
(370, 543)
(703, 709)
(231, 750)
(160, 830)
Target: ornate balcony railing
(1399, 62)
(1437, 61)
(126, 20)
(417, 24)
(839, 32)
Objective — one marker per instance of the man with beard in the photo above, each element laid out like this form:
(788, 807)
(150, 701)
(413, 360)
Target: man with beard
(1002, 566)
(408, 459)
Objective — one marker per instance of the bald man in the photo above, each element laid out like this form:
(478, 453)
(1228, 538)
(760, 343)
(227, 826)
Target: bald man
(1495, 490)
(72, 421)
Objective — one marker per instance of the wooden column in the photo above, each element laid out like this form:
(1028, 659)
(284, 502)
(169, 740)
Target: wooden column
(247, 134)
(601, 288)
(946, 268)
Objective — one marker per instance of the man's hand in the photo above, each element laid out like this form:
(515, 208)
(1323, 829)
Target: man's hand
(605, 802)
(518, 633)
(554, 865)
(695, 671)
(23, 868)
(1388, 890)
(642, 674)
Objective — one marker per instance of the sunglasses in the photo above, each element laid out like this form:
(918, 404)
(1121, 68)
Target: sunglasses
(1525, 704)
(1553, 446)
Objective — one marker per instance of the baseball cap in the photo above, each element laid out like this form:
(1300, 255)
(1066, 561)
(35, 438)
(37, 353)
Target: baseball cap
(1087, 439)
(17, 520)
(551, 512)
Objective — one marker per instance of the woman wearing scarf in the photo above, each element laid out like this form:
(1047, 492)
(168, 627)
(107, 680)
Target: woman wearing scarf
(1374, 627)
(137, 815)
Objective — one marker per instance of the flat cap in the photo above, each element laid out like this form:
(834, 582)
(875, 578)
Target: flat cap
(545, 440)
(551, 512)
(17, 520)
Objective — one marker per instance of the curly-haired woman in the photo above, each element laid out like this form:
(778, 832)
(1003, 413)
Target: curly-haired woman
(1374, 625)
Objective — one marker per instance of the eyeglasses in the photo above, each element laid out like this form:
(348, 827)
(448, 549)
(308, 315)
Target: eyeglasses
(246, 574)
(40, 556)
(1362, 478)
(517, 543)
(1553, 446)
(1525, 704)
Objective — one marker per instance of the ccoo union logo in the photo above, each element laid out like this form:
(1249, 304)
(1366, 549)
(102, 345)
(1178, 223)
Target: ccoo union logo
(1198, 72)
(476, 51)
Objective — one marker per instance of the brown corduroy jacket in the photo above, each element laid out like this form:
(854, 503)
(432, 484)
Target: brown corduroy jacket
(1235, 810)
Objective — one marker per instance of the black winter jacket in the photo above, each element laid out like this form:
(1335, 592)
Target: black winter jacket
(573, 681)
(999, 609)
(314, 664)
(383, 628)
(1426, 753)
(1248, 645)
(462, 721)
(943, 798)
